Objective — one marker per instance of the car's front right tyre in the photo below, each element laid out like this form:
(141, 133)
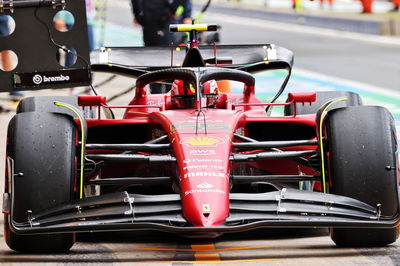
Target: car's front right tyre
(43, 147)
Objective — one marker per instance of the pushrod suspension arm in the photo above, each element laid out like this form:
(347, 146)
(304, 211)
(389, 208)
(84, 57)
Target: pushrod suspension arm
(273, 144)
(273, 178)
(132, 158)
(130, 181)
(273, 155)
(128, 147)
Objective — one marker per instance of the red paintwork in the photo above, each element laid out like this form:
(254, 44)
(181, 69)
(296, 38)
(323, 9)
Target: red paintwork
(91, 100)
(304, 97)
(202, 145)
(203, 161)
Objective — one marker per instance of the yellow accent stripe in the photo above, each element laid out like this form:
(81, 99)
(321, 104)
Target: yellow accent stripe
(189, 27)
(321, 146)
(82, 145)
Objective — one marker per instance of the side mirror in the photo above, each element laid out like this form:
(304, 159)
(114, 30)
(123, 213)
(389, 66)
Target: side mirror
(91, 100)
(302, 97)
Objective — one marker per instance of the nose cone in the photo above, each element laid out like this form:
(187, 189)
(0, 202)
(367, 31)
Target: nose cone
(206, 203)
(204, 179)
(202, 144)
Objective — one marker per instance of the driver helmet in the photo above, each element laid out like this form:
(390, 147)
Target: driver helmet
(210, 90)
(183, 95)
(210, 87)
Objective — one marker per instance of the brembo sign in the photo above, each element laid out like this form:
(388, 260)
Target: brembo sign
(52, 79)
(40, 79)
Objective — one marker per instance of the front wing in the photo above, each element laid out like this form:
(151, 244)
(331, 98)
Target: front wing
(122, 211)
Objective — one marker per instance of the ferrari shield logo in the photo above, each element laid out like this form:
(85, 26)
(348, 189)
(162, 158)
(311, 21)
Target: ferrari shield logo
(202, 141)
(206, 208)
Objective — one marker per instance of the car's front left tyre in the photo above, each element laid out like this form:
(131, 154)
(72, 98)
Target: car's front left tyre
(362, 156)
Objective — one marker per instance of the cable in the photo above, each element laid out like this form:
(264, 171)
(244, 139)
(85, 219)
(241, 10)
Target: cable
(63, 48)
(202, 12)
(112, 98)
(104, 82)
(68, 51)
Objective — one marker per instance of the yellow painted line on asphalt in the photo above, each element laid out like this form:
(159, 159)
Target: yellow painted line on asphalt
(202, 249)
(202, 257)
(205, 257)
(205, 262)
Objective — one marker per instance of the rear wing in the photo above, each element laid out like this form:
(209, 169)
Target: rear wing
(32, 42)
(135, 61)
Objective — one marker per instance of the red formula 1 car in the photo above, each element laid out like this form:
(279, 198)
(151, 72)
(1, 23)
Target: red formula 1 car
(198, 160)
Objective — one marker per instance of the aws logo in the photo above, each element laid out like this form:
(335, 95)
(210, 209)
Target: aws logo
(202, 141)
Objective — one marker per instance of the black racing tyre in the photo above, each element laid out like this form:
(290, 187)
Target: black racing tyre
(323, 97)
(46, 104)
(43, 147)
(362, 144)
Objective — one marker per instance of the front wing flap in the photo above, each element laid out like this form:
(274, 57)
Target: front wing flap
(283, 208)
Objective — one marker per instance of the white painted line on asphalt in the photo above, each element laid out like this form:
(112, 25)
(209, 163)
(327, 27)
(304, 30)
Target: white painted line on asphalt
(349, 83)
(261, 23)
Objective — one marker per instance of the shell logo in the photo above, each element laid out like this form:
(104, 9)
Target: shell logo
(203, 141)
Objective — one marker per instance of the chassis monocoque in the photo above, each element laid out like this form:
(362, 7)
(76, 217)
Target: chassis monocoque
(202, 171)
